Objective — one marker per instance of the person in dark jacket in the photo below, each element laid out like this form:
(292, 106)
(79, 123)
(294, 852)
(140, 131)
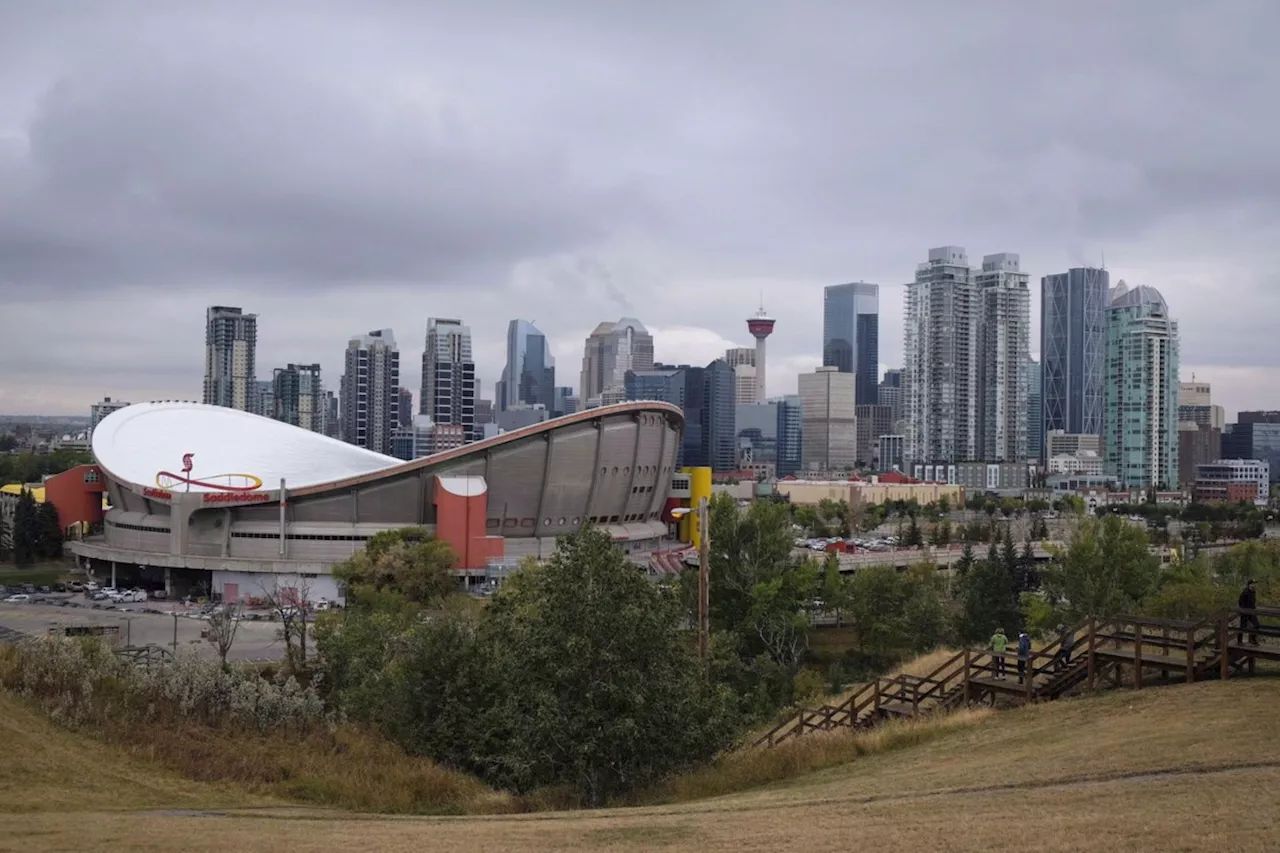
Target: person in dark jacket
(1066, 640)
(1248, 601)
(1024, 656)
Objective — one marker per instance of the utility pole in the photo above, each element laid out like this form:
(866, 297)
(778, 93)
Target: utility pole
(175, 633)
(704, 579)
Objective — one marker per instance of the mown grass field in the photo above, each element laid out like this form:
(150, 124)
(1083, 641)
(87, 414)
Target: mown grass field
(1171, 769)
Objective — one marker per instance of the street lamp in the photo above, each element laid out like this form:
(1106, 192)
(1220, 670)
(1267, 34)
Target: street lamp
(704, 584)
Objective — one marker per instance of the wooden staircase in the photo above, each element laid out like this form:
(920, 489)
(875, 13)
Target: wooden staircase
(1103, 652)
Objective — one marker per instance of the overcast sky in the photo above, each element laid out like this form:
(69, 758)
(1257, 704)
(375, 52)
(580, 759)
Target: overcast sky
(338, 167)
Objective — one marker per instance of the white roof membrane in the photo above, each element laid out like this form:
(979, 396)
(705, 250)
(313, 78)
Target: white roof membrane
(230, 450)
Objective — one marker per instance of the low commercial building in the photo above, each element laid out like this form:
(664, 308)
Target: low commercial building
(872, 491)
(1085, 462)
(1233, 481)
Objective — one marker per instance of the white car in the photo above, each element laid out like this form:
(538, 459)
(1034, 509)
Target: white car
(20, 598)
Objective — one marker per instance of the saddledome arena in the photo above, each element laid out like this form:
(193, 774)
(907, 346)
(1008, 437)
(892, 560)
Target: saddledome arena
(211, 498)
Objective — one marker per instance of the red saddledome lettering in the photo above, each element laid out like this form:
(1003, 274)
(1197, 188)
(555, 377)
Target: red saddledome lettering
(160, 494)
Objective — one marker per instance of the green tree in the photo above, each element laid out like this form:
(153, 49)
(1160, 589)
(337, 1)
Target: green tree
(408, 561)
(834, 589)
(877, 598)
(987, 599)
(1106, 569)
(48, 532)
(944, 504)
(746, 550)
(26, 530)
(913, 538)
(925, 613)
(6, 539)
(599, 690)
(966, 561)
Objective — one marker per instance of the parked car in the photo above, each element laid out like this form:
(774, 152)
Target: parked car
(75, 586)
(20, 598)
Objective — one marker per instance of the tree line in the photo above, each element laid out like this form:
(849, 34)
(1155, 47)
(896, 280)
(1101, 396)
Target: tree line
(34, 534)
(581, 674)
(34, 467)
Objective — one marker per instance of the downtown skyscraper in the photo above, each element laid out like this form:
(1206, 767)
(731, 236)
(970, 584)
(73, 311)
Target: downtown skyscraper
(449, 377)
(851, 335)
(369, 393)
(966, 342)
(1004, 347)
(1073, 343)
(940, 345)
(529, 375)
(610, 351)
(230, 358)
(1140, 425)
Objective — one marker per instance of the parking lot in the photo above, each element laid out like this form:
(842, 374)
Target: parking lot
(256, 640)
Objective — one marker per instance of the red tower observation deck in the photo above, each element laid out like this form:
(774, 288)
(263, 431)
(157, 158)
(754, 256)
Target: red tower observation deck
(761, 327)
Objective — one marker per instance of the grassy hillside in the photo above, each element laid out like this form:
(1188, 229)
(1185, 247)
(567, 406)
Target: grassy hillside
(46, 768)
(1179, 768)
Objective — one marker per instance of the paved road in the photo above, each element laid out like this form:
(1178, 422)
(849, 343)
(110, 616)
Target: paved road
(254, 640)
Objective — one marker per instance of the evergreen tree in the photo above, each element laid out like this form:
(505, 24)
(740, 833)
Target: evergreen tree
(5, 542)
(48, 532)
(914, 537)
(966, 561)
(988, 600)
(1029, 577)
(26, 534)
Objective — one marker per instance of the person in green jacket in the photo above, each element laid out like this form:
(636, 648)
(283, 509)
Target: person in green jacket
(999, 642)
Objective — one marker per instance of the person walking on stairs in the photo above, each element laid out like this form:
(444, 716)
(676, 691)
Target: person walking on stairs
(1024, 656)
(1066, 639)
(999, 642)
(1248, 601)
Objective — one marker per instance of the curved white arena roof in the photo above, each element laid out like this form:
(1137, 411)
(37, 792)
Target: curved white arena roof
(230, 450)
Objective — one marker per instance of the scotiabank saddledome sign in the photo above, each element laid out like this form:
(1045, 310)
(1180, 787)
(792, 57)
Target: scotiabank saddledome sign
(217, 488)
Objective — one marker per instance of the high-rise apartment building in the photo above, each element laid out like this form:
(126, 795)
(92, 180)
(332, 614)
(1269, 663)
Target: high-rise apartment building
(828, 419)
(1073, 343)
(851, 335)
(1035, 409)
(1004, 342)
(332, 421)
(449, 385)
(743, 362)
(98, 411)
(262, 398)
(406, 410)
(941, 339)
(298, 396)
(611, 350)
(529, 375)
(873, 422)
(230, 357)
(370, 396)
(890, 394)
(789, 450)
(1141, 387)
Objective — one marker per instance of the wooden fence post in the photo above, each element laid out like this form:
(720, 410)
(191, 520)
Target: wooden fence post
(1191, 656)
(1137, 657)
(1224, 655)
(1093, 639)
(967, 695)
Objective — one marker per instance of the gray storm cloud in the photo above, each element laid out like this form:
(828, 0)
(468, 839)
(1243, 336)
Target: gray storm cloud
(342, 166)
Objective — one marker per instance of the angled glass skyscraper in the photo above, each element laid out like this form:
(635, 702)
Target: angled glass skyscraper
(529, 376)
(851, 335)
(1073, 343)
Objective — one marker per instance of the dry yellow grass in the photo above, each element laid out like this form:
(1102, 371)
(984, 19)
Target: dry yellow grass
(1172, 769)
(45, 768)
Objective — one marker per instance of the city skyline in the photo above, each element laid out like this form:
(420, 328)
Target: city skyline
(411, 180)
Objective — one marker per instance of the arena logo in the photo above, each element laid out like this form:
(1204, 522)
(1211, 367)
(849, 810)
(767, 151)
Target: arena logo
(158, 494)
(236, 497)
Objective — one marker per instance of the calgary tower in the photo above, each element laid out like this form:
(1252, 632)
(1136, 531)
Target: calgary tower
(760, 326)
